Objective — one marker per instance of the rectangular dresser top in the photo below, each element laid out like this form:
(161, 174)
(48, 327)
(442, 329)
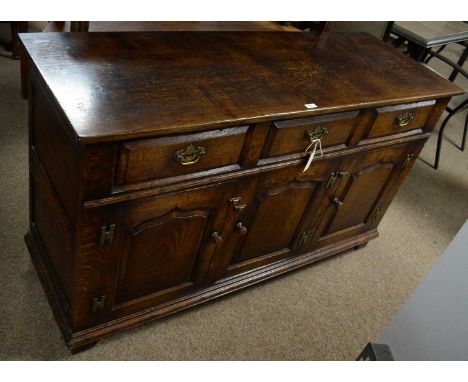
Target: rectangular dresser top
(114, 86)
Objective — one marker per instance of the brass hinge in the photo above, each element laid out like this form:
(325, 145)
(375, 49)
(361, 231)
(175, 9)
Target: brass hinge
(334, 176)
(107, 234)
(407, 161)
(98, 303)
(376, 213)
(304, 237)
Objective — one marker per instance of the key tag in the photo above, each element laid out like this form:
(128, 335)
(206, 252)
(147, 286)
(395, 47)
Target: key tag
(314, 144)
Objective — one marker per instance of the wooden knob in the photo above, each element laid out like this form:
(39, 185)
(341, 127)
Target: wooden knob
(241, 228)
(236, 202)
(337, 201)
(217, 238)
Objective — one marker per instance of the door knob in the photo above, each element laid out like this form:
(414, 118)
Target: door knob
(240, 207)
(241, 228)
(236, 202)
(217, 238)
(337, 202)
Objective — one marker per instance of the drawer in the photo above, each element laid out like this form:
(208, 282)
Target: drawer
(293, 136)
(168, 157)
(400, 119)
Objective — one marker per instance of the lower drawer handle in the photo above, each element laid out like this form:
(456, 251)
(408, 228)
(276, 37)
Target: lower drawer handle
(404, 119)
(189, 155)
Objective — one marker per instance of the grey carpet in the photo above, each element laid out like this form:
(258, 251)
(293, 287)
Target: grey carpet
(323, 312)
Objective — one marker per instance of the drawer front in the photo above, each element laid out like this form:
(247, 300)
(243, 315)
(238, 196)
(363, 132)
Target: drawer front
(294, 136)
(168, 157)
(400, 119)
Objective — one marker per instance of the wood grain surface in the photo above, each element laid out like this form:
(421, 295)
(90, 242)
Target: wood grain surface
(126, 85)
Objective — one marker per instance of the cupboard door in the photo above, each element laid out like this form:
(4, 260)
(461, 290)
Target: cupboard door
(364, 193)
(271, 227)
(166, 244)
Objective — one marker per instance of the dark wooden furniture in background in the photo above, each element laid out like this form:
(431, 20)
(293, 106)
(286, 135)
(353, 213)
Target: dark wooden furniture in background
(379, 29)
(165, 26)
(310, 26)
(16, 27)
(167, 169)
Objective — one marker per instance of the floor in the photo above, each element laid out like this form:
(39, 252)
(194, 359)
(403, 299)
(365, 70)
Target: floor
(328, 311)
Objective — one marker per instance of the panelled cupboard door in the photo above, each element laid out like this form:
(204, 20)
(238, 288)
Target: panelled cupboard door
(166, 244)
(363, 192)
(271, 229)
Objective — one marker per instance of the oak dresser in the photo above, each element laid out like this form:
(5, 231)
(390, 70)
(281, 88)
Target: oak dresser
(168, 169)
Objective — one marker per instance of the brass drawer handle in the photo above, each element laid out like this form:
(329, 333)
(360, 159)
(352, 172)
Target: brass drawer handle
(404, 119)
(318, 133)
(189, 155)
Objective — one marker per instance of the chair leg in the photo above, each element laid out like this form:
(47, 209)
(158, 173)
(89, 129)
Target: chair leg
(460, 63)
(398, 42)
(464, 133)
(388, 31)
(442, 128)
(417, 52)
(17, 27)
(439, 141)
(429, 57)
(24, 70)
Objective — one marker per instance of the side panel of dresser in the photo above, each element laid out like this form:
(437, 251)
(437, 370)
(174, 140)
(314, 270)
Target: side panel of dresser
(54, 194)
(62, 174)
